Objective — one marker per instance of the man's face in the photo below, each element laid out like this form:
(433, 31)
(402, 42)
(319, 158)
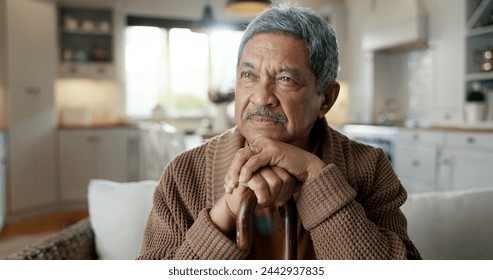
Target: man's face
(276, 90)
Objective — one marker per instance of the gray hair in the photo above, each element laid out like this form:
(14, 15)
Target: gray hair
(319, 37)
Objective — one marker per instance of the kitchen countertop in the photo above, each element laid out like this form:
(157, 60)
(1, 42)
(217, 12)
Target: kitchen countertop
(466, 127)
(98, 126)
(479, 127)
(473, 127)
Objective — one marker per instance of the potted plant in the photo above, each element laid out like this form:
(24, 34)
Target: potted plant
(475, 106)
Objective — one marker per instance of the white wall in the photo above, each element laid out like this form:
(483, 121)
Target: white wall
(359, 63)
(446, 43)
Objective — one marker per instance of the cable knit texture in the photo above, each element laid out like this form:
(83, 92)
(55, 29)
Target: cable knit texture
(352, 209)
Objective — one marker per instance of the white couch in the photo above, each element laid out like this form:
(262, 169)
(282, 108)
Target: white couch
(452, 225)
(443, 225)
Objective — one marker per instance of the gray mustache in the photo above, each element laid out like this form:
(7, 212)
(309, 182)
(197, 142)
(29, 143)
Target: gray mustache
(264, 113)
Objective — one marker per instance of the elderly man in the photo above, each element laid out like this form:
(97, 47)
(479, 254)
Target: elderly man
(347, 195)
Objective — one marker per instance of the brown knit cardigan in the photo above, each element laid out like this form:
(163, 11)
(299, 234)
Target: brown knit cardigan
(351, 209)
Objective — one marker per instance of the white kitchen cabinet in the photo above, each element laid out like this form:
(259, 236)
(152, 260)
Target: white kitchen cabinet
(467, 161)
(444, 160)
(28, 61)
(416, 158)
(85, 154)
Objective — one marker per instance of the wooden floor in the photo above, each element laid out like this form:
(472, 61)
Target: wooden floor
(47, 223)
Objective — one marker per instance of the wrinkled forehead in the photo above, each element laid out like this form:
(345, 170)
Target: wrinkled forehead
(271, 32)
(266, 44)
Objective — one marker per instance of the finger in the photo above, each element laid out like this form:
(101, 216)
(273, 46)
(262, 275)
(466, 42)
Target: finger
(253, 164)
(298, 162)
(260, 187)
(233, 201)
(231, 179)
(289, 184)
(274, 182)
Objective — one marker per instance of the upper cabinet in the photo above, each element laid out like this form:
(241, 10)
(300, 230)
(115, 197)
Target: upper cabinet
(479, 41)
(85, 43)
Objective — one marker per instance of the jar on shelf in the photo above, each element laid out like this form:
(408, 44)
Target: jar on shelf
(104, 26)
(80, 56)
(100, 53)
(484, 58)
(487, 61)
(88, 25)
(68, 54)
(70, 23)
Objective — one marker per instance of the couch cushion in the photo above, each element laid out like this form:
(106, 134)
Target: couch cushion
(118, 214)
(451, 225)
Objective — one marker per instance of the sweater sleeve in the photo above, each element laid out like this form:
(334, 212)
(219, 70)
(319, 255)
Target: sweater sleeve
(344, 225)
(179, 227)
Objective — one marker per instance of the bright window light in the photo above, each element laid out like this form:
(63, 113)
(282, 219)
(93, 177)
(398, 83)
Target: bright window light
(176, 68)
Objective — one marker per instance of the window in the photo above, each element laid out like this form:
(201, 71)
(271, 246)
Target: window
(176, 68)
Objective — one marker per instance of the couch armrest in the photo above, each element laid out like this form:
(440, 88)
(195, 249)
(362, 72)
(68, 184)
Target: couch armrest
(75, 242)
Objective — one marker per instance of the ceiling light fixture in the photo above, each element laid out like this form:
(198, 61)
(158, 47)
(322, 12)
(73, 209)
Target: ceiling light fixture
(247, 8)
(207, 22)
(207, 19)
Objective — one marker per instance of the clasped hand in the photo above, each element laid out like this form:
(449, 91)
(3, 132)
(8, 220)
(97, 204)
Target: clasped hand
(273, 170)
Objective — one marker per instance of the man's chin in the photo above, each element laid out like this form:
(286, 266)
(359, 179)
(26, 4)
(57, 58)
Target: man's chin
(274, 132)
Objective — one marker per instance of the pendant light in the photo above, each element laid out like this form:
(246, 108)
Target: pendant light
(207, 20)
(247, 8)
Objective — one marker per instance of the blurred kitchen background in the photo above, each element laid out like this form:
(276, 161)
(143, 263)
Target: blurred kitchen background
(113, 89)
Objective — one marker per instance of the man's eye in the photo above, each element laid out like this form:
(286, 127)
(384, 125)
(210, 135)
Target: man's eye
(246, 75)
(287, 81)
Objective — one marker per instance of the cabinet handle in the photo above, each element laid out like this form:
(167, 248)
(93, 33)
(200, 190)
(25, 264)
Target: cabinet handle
(32, 90)
(73, 69)
(415, 163)
(415, 136)
(471, 140)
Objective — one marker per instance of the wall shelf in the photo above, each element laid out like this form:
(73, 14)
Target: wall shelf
(480, 31)
(480, 76)
(85, 38)
(80, 32)
(479, 40)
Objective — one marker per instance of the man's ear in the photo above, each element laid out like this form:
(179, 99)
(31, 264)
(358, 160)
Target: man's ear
(330, 95)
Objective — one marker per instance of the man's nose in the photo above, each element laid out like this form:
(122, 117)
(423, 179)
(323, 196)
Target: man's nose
(264, 94)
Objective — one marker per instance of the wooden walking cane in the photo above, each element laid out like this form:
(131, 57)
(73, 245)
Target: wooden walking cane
(244, 225)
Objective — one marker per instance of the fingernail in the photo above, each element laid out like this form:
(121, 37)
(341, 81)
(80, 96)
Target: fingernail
(242, 178)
